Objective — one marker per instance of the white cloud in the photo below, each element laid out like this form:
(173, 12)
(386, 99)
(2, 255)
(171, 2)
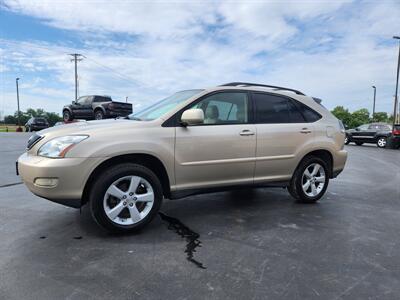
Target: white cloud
(335, 50)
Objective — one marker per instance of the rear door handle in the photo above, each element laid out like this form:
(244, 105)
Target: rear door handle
(246, 132)
(305, 130)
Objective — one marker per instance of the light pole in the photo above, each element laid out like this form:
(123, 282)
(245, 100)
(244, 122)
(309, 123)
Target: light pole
(397, 84)
(19, 113)
(373, 107)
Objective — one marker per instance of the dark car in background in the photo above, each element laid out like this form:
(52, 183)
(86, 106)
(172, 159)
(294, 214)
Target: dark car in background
(36, 124)
(374, 133)
(95, 107)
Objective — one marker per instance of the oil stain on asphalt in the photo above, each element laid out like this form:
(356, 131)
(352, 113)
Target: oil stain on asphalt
(192, 238)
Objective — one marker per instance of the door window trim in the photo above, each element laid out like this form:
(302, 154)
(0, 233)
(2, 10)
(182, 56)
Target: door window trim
(173, 121)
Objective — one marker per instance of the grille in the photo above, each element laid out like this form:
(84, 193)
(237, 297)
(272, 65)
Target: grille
(33, 140)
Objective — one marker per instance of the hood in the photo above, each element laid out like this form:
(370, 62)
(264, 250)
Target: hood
(88, 127)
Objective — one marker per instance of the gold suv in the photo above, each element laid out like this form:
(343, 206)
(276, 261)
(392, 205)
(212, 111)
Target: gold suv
(195, 141)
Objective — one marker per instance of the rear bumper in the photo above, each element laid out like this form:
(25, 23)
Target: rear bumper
(67, 177)
(339, 161)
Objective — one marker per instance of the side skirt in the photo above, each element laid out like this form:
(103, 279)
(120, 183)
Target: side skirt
(190, 192)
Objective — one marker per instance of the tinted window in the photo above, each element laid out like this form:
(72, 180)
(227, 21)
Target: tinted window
(101, 99)
(294, 113)
(363, 127)
(224, 108)
(309, 114)
(271, 109)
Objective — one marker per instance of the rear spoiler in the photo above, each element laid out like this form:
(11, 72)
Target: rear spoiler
(318, 100)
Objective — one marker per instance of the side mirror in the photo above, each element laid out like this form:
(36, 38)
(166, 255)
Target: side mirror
(73, 102)
(192, 117)
(357, 129)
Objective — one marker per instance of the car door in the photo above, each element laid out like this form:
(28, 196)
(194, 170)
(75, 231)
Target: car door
(86, 107)
(363, 134)
(78, 107)
(284, 128)
(221, 151)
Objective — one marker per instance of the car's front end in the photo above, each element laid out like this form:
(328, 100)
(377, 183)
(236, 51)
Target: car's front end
(49, 172)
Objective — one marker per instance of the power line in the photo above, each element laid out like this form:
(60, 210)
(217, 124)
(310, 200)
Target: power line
(120, 75)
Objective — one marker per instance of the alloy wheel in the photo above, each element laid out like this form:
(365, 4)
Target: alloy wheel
(382, 142)
(313, 180)
(128, 200)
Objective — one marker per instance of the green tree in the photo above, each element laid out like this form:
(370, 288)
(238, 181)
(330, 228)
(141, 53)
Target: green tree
(380, 117)
(342, 114)
(359, 117)
(53, 118)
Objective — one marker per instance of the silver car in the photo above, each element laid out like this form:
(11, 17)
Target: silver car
(195, 141)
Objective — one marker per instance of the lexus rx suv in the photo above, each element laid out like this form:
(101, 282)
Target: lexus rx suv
(195, 141)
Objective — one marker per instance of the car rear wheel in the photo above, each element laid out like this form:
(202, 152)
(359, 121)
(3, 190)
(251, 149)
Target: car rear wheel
(99, 115)
(310, 180)
(67, 116)
(359, 143)
(381, 142)
(125, 198)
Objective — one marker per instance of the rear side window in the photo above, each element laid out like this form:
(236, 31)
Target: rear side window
(295, 114)
(275, 109)
(309, 114)
(271, 109)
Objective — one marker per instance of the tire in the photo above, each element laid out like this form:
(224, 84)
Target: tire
(381, 142)
(359, 143)
(114, 213)
(309, 195)
(67, 116)
(98, 115)
(346, 140)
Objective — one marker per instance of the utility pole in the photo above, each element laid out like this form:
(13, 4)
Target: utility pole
(126, 99)
(373, 107)
(19, 112)
(76, 58)
(397, 84)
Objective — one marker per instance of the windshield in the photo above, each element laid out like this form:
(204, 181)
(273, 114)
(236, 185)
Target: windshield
(162, 107)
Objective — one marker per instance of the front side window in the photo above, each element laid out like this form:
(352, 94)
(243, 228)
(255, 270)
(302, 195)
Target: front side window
(82, 100)
(363, 127)
(225, 108)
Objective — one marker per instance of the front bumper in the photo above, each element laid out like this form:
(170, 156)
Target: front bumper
(67, 177)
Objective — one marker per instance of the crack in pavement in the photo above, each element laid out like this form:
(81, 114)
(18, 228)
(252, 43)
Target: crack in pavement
(10, 184)
(192, 238)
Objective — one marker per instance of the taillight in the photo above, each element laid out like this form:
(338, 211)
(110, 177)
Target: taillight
(396, 132)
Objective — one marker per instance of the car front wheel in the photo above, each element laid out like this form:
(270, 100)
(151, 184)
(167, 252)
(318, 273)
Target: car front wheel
(346, 140)
(310, 180)
(381, 142)
(125, 198)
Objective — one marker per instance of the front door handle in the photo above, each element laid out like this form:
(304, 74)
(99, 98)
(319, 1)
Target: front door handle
(305, 130)
(246, 132)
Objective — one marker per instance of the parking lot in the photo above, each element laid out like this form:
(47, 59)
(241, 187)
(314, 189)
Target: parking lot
(255, 244)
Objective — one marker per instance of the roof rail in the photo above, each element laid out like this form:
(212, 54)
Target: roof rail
(263, 85)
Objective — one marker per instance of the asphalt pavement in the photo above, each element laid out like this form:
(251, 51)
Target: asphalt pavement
(250, 244)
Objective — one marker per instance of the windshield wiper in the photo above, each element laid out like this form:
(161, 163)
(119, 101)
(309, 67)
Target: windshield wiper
(134, 118)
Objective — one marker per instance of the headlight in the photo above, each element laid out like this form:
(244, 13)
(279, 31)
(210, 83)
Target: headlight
(58, 147)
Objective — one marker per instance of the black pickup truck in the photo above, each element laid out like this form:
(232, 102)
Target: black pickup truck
(95, 107)
(375, 133)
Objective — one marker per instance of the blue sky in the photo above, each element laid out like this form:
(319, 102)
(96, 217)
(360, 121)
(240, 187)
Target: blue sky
(146, 50)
